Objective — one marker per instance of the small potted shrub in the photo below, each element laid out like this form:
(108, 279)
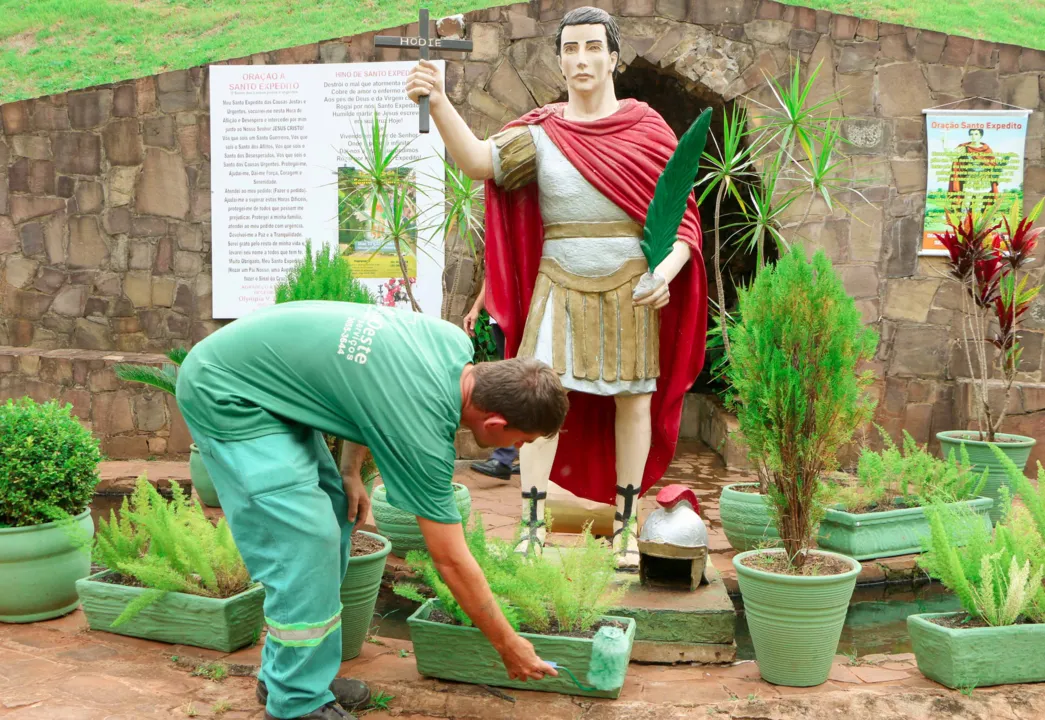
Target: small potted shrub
(401, 527)
(999, 635)
(987, 259)
(558, 604)
(882, 513)
(48, 472)
(360, 588)
(166, 379)
(799, 397)
(171, 575)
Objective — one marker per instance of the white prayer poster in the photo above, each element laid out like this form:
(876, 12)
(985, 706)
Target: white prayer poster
(285, 168)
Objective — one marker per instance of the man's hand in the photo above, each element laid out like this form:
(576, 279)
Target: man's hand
(470, 320)
(522, 662)
(426, 79)
(358, 501)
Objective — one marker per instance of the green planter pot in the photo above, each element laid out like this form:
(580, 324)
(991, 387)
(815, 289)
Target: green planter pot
(747, 518)
(863, 536)
(39, 567)
(977, 657)
(454, 652)
(225, 625)
(359, 596)
(201, 479)
(401, 527)
(795, 621)
(1016, 447)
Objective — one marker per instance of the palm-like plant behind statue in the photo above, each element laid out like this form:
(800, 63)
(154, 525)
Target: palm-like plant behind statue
(767, 164)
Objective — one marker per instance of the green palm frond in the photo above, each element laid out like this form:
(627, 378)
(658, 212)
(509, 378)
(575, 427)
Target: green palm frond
(164, 378)
(672, 192)
(177, 355)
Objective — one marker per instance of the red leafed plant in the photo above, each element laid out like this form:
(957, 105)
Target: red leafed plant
(987, 258)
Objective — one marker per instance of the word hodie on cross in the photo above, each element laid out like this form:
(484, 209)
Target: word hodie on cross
(423, 43)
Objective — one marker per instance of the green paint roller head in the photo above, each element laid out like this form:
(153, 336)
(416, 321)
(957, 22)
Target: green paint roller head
(609, 661)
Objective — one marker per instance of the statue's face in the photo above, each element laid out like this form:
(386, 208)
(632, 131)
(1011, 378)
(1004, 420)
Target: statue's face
(585, 59)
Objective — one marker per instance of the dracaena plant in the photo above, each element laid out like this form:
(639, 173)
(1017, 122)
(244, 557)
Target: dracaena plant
(989, 259)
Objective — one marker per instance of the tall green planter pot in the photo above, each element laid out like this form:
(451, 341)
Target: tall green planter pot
(1016, 447)
(795, 621)
(456, 652)
(39, 567)
(217, 624)
(747, 518)
(359, 592)
(977, 657)
(201, 479)
(401, 527)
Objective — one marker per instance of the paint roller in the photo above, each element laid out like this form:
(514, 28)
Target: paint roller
(609, 661)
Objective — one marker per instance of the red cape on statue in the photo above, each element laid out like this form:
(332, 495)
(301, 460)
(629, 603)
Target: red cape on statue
(622, 156)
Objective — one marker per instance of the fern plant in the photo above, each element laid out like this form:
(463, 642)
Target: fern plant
(164, 378)
(907, 477)
(536, 593)
(168, 547)
(997, 576)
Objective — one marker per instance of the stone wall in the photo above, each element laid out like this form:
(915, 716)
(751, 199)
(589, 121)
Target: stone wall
(105, 193)
(130, 420)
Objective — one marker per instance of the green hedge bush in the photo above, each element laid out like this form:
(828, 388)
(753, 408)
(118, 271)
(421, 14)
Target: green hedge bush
(48, 463)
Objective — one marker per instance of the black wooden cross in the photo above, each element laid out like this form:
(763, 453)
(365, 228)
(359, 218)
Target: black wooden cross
(423, 43)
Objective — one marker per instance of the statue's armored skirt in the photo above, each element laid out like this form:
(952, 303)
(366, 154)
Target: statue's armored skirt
(582, 320)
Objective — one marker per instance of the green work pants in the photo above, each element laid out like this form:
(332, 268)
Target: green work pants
(286, 507)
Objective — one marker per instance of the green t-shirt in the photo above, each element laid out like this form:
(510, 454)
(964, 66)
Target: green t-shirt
(388, 379)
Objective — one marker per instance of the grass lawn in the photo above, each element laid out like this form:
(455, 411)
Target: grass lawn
(50, 46)
(1016, 22)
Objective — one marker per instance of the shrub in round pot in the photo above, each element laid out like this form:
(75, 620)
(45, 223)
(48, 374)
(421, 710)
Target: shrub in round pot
(987, 257)
(747, 517)
(48, 472)
(401, 527)
(998, 636)
(798, 397)
(166, 379)
(360, 588)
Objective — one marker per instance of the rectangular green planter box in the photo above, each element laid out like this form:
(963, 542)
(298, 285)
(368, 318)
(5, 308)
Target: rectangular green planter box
(454, 652)
(977, 657)
(225, 625)
(863, 536)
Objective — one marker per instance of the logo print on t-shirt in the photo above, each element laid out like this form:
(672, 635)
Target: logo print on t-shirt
(357, 336)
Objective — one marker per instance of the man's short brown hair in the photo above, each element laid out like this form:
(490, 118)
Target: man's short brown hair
(525, 391)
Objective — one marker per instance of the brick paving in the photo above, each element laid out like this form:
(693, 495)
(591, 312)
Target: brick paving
(59, 670)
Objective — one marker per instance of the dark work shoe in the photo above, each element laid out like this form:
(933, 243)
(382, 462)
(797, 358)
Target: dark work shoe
(352, 695)
(493, 468)
(515, 468)
(330, 711)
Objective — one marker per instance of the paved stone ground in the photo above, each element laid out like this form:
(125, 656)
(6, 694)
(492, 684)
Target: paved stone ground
(58, 670)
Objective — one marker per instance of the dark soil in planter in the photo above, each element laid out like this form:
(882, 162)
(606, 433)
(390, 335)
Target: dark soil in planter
(967, 622)
(751, 490)
(365, 545)
(115, 578)
(974, 435)
(441, 617)
(815, 565)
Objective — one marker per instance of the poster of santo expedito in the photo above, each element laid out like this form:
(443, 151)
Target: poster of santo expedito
(975, 161)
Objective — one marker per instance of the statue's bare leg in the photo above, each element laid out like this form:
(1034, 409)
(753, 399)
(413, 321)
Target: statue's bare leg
(633, 436)
(535, 466)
